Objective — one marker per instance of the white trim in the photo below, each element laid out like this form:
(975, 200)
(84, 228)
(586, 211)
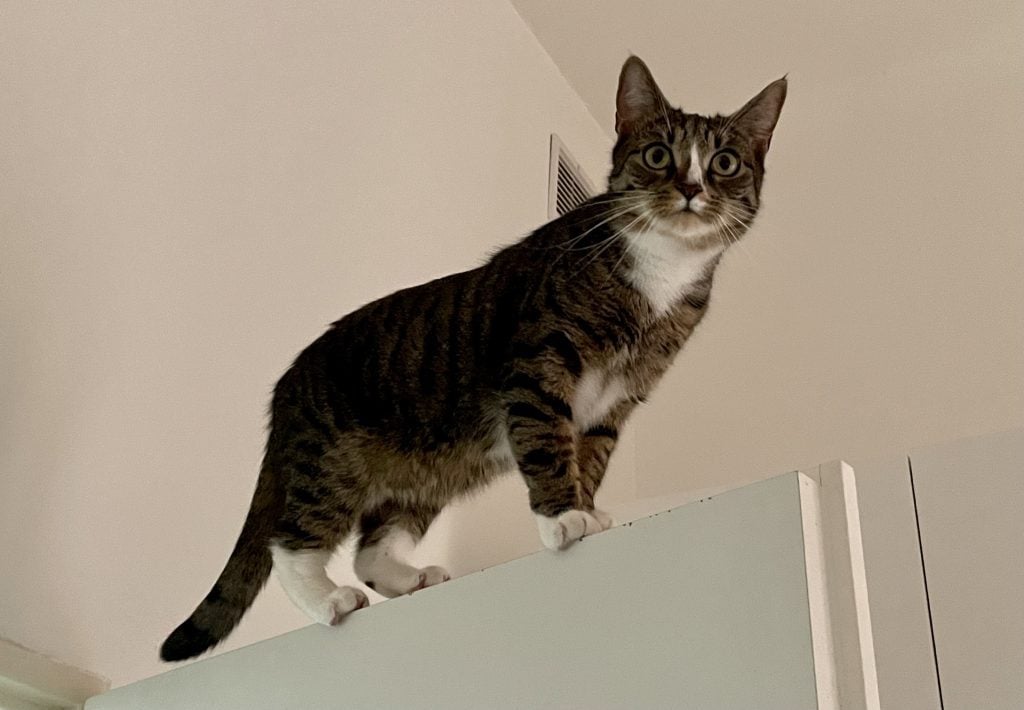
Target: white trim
(822, 646)
(35, 679)
(835, 509)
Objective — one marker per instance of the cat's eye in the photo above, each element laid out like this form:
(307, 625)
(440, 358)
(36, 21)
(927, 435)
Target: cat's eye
(725, 163)
(657, 156)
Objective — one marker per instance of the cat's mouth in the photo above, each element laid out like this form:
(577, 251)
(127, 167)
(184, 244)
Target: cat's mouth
(686, 216)
(677, 207)
(687, 223)
(683, 218)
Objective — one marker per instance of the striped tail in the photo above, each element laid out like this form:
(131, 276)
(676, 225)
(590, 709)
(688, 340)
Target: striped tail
(243, 577)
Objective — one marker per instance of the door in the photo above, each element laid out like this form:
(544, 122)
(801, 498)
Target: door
(970, 511)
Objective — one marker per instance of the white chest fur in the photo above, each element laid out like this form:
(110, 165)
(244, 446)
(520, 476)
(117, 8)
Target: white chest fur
(664, 267)
(596, 393)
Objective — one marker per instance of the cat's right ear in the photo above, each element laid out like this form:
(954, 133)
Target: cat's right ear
(638, 98)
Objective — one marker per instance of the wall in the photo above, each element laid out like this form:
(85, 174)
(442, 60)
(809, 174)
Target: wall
(878, 304)
(188, 195)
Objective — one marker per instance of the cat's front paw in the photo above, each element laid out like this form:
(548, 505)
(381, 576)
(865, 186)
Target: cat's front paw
(559, 532)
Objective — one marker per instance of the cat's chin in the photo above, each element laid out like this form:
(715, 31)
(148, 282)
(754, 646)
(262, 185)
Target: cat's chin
(688, 225)
(690, 219)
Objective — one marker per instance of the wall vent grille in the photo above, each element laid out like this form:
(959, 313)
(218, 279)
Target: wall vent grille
(568, 187)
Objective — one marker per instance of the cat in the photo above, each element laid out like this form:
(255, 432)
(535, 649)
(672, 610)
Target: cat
(532, 361)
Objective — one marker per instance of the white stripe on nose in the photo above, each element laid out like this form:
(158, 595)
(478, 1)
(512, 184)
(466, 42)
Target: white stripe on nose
(694, 175)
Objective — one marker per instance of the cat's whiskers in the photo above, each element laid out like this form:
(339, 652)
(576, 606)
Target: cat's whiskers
(651, 220)
(611, 214)
(730, 235)
(568, 246)
(732, 219)
(741, 214)
(726, 234)
(720, 231)
(617, 195)
(607, 244)
(744, 217)
(615, 200)
(734, 227)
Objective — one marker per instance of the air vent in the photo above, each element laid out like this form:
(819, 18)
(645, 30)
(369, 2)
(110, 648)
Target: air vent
(568, 187)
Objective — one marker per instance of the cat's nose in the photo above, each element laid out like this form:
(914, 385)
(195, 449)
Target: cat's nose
(690, 189)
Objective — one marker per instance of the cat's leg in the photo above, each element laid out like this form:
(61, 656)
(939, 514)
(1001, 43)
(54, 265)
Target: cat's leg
(543, 438)
(303, 576)
(303, 544)
(594, 449)
(388, 533)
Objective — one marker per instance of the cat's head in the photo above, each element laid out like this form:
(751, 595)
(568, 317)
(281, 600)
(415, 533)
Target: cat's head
(694, 176)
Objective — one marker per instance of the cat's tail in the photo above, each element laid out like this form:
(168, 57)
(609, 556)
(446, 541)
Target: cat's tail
(243, 577)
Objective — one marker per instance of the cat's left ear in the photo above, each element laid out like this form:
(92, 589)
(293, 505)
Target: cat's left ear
(758, 117)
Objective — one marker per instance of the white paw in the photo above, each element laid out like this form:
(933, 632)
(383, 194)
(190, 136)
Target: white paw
(409, 582)
(434, 575)
(560, 532)
(604, 519)
(339, 604)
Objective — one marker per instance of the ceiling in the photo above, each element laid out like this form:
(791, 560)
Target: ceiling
(710, 56)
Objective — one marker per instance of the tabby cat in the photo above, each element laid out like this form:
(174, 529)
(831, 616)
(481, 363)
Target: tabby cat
(532, 361)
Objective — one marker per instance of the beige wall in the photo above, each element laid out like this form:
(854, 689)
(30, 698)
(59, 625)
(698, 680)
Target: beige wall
(879, 303)
(188, 195)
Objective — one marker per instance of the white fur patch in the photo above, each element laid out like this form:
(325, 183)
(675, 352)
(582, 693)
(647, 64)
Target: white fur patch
(384, 566)
(664, 266)
(695, 175)
(395, 547)
(303, 576)
(560, 532)
(596, 393)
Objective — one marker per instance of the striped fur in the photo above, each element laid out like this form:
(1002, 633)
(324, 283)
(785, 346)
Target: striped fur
(409, 402)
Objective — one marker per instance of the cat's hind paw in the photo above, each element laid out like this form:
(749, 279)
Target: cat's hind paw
(559, 532)
(410, 580)
(433, 575)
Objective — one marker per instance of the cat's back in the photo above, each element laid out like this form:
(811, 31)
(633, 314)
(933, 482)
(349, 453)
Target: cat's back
(428, 353)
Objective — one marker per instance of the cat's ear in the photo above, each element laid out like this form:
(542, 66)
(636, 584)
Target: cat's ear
(758, 117)
(638, 98)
